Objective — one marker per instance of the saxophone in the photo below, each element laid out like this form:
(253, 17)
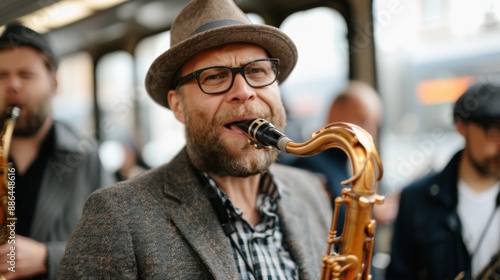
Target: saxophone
(492, 270)
(6, 214)
(353, 259)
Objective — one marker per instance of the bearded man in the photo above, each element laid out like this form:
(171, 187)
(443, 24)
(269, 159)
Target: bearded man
(448, 225)
(53, 168)
(221, 209)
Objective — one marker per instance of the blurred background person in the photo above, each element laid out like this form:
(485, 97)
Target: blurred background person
(55, 169)
(358, 104)
(448, 223)
(121, 158)
(132, 164)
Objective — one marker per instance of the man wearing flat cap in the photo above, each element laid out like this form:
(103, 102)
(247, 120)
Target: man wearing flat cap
(221, 209)
(448, 225)
(53, 169)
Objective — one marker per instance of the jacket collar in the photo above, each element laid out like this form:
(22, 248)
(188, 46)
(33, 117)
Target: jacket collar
(300, 241)
(445, 187)
(190, 210)
(193, 210)
(67, 141)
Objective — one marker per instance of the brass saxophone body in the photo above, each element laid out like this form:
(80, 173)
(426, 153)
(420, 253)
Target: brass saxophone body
(355, 245)
(6, 214)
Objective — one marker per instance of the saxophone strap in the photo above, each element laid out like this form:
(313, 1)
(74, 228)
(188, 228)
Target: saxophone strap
(487, 226)
(492, 270)
(222, 215)
(215, 201)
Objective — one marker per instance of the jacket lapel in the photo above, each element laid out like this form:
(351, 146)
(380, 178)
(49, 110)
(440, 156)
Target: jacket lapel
(52, 192)
(299, 237)
(196, 220)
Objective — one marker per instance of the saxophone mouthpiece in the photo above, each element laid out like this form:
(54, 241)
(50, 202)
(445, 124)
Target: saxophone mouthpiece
(263, 133)
(12, 112)
(244, 125)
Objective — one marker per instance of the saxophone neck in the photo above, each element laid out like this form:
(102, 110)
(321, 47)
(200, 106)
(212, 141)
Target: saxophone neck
(350, 138)
(11, 115)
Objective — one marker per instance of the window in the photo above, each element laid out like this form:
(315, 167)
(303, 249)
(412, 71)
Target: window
(428, 53)
(73, 103)
(321, 71)
(164, 134)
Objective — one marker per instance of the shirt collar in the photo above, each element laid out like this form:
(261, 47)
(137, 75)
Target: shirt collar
(267, 187)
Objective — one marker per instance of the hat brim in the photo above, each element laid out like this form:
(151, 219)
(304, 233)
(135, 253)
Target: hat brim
(274, 41)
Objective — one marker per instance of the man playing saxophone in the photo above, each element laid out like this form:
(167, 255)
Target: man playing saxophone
(52, 173)
(221, 209)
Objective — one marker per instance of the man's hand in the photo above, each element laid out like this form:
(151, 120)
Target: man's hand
(387, 212)
(29, 261)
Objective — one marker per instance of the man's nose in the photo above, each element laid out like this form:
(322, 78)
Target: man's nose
(13, 84)
(241, 91)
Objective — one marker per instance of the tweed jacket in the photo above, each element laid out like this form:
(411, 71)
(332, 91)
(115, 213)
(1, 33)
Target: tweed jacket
(161, 225)
(72, 173)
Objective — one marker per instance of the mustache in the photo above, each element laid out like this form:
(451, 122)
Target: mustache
(244, 110)
(495, 158)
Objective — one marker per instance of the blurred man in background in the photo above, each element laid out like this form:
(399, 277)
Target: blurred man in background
(55, 169)
(448, 225)
(358, 104)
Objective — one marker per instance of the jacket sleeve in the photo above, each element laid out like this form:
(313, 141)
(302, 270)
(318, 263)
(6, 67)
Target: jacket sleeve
(93, 253)
(400, 266)
(56, 250)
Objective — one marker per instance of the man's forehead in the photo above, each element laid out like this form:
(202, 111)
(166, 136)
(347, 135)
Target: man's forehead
(18, 49)
(21, 54)
(238, 52)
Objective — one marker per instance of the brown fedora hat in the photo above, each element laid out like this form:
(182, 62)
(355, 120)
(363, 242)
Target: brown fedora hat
(204, 24)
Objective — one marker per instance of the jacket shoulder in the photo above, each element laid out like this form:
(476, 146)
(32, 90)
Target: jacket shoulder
(301, 182)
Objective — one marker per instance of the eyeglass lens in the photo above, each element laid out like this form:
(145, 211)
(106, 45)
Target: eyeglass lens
(219, 78)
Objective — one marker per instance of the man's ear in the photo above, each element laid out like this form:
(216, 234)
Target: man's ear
(460, 126)
(54, 83)
(175, 105)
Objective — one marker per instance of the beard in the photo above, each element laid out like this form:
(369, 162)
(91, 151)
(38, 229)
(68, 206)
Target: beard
(489, 167)
(212, 154)
(29, 124)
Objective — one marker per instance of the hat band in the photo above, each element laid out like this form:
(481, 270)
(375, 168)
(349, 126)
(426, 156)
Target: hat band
(215, 24)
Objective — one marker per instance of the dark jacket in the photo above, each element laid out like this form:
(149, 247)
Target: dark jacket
(72, 173)
(161, 225)
(427, 241)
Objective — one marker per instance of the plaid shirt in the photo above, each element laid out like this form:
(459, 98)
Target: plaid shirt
(262, 248)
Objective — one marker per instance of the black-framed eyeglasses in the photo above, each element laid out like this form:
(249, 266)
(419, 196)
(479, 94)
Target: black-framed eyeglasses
(219, 79)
